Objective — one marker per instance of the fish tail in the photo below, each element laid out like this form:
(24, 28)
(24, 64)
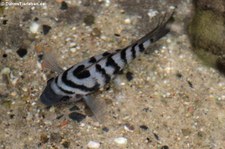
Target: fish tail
(131, 52)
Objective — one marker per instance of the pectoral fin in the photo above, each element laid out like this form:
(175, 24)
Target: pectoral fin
(48, 60)
(97, 107)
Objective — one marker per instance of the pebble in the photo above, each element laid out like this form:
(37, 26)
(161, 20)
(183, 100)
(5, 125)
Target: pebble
(152, 13)
(46, 29)
(73, 50)
(105, 129)
(144, 127)
(66, 144)
(75, 116)
(127, 21)
(129, 76)
(165, 147)
(34, 27)
(129, 127)
(120, 140)
(89, 20)
(6, 71)
(74, 108)
(64, 6)
(21, 52)
(93, 144)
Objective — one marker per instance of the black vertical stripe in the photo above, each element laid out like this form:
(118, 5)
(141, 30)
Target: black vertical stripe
(141, 47)
(123, 55)
(103, 72)
(112, 63)
(133, 51)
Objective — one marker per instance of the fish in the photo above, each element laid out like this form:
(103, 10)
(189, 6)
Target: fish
(83, 79)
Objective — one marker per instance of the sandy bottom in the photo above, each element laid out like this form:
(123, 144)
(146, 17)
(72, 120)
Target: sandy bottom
(171, 100)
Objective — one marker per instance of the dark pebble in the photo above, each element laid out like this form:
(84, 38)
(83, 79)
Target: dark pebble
(21, 52)
(190, 84)
(165, 147)
(4, 55)
(129, 126)
(89, 20)
(55, 137)
(179, 75)
(36, 19)
(11, 116)
(75, 116)
(148, 140)
(4, 22)
(64, 6)
(129, 76)
(66, 144)
(44, 138)
(118, 35)
(147, 110)
(74, 108)
(60, 116)
(96, 32)
(46, 29)
(40, 57)
(105, 129)
(156, 136)
(144, 127)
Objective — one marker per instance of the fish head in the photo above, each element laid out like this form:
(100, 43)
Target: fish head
(49, 97)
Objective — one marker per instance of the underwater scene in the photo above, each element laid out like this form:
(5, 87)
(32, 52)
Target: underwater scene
(111, 74)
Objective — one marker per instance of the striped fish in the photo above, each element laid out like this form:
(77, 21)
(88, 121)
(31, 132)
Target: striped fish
(85, 78)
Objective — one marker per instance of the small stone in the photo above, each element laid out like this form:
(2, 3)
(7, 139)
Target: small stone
(21, 52)
(66, 144)
(89, 20)
(74, 108)
(156, 136)
(93, 144)
(165, 147)
(144, 127)
(34, 27)
(127, 21)
(120, 140)
(64, 6)
(75, 116)
(59, 117)
(152, 13)
(186, 132)
(36, 19)
(73, 50)
(179, 75)
(46, 29)
(129, 76)
(4, 55)
(129, 127)
(55, 137)
(105, 129)
(13, 94)
(5, 71)
(4, 22)
(96, 32)
(44, 138)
